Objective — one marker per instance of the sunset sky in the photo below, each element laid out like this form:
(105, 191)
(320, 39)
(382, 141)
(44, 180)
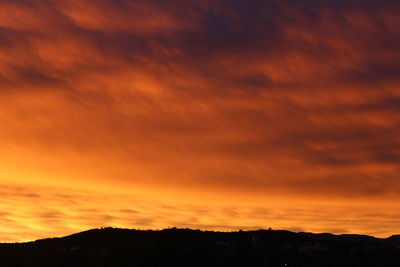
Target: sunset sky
(221, 115)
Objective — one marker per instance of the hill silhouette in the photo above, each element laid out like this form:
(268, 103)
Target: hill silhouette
(185, 247)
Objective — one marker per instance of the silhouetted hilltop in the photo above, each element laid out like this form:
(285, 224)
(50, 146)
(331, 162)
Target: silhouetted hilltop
(185, 247)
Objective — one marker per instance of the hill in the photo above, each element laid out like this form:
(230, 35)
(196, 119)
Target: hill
(192, 248)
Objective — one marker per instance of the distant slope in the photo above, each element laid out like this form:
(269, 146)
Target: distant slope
(184, 247)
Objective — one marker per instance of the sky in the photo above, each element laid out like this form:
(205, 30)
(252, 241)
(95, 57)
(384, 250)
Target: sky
(214, 115)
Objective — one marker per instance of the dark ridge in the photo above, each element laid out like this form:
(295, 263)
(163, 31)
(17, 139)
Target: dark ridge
(186, 247)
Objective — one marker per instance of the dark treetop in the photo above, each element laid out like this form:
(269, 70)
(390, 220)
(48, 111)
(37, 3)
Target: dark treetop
(185, 247)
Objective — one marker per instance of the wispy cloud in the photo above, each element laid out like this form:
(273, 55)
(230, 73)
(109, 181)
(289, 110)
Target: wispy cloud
(298, 100)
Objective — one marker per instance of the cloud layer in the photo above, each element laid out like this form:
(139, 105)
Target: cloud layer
(42, 212)
(275, 98)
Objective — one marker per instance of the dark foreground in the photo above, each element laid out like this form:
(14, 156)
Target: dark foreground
(182, 247)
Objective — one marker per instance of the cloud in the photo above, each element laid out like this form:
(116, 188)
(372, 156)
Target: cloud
(52, 214)
(297, 99)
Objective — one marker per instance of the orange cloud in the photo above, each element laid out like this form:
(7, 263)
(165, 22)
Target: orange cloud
(241, 100)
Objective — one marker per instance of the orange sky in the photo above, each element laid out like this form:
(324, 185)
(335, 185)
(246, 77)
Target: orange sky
(220, 115)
